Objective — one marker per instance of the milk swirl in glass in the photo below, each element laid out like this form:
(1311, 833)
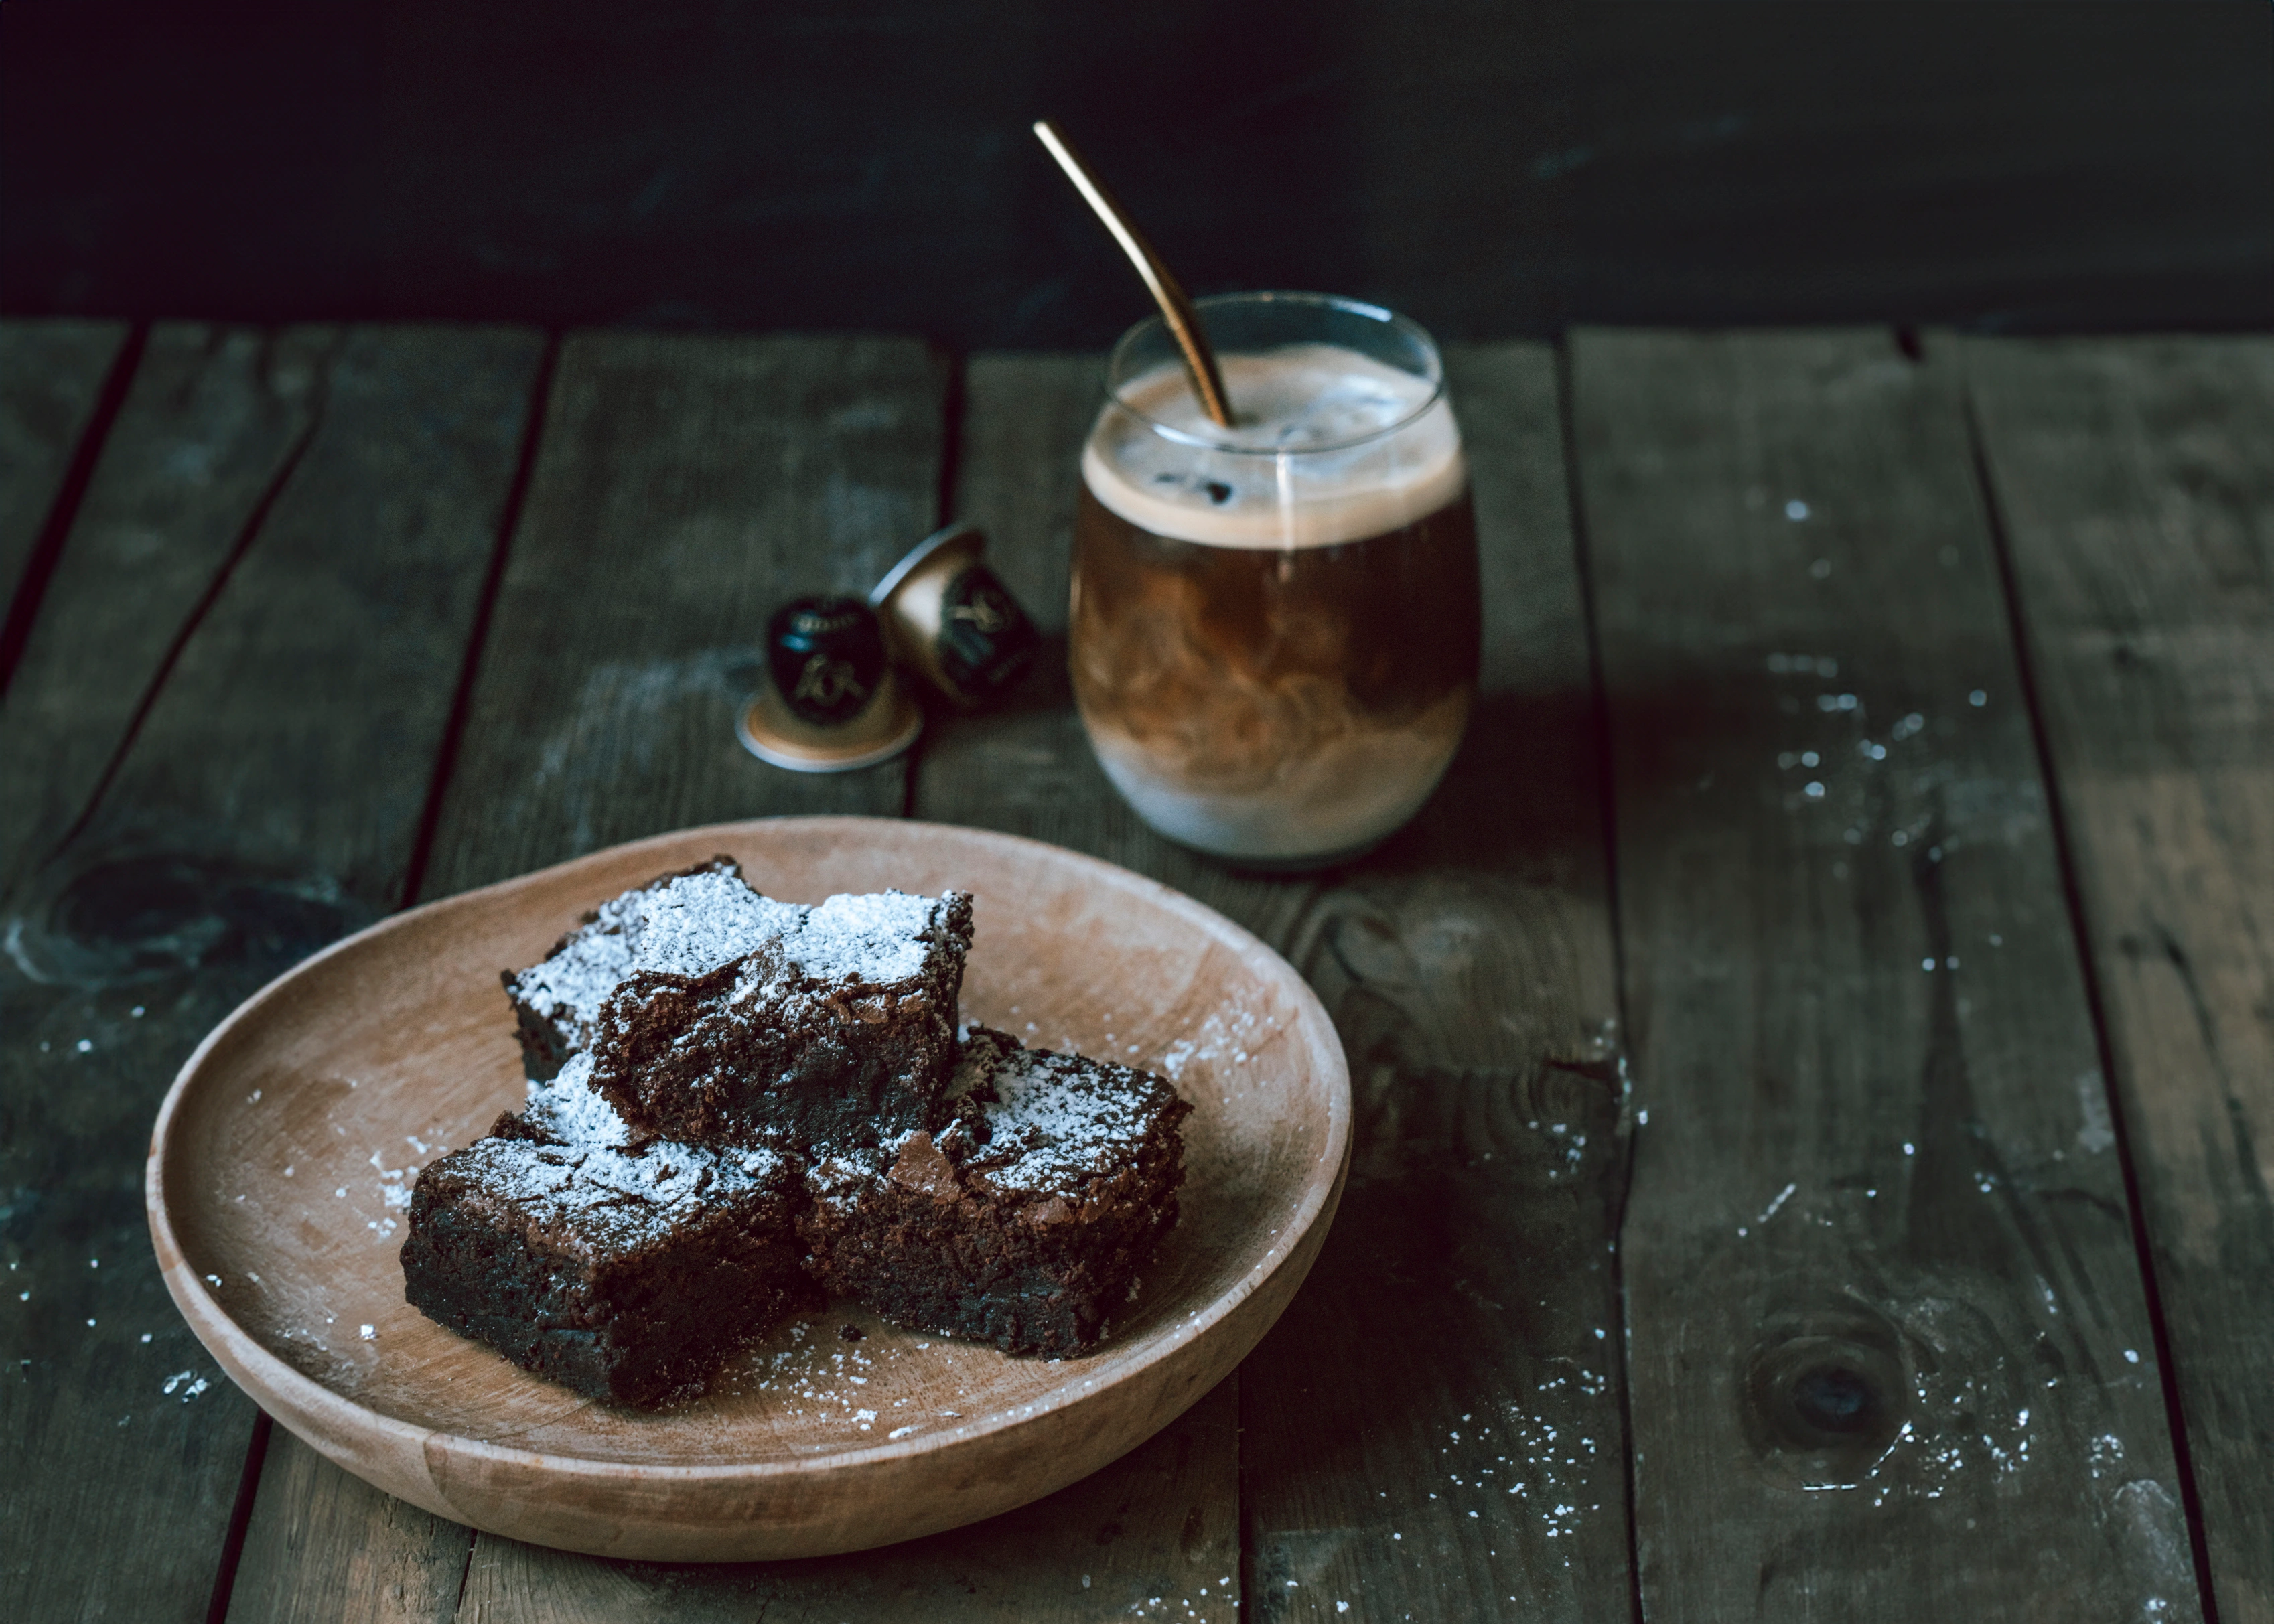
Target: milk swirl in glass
(1275, 626)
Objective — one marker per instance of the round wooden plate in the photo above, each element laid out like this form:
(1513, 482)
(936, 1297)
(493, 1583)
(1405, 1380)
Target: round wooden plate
(282, 1158)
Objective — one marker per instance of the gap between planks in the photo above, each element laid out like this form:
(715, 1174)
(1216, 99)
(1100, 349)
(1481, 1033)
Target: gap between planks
(61, 385)
(2137, 505)
(1354, 1397)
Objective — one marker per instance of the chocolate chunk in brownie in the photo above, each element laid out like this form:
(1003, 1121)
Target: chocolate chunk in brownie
(628, 1276)
(1024, 1221)
(746, 1021)
(557, 1002)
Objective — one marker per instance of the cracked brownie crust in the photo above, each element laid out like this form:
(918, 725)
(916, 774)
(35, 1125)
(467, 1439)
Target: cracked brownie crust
(556, 1003)
(715, 1014)
(811, 1029)
(1025, 1222)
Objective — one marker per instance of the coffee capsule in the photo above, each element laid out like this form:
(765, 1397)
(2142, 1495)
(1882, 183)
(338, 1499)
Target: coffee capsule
(831, 702)
(951, 618)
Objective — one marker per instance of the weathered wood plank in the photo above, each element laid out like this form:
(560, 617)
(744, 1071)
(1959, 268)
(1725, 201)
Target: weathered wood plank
(209, 426)
(324, 1547)
(1026, 768)
(1142, 1552)
(268, 802)
(1088, 1552)
(685, 487)
(51, 374)
(1025, 416)
(1462, 962)
(1889, 1351)
(1436, 1427)
(682, 488)
(2136, 488)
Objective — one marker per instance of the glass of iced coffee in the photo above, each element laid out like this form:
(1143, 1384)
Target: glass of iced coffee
(1274, 626)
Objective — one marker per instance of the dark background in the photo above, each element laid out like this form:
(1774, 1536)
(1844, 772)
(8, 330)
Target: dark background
(1492, 168)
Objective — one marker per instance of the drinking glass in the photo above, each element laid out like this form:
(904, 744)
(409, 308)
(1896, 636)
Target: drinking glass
(1275, 626)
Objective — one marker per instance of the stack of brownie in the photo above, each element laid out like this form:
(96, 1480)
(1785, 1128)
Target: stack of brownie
(736, 1103)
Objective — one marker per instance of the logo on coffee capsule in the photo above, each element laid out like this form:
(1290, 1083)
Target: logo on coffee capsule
(985, 640)
(826, 656)
(829, 685)
(989, 612)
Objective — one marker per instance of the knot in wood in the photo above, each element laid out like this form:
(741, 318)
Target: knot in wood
(102, 918)
(1838, 1398)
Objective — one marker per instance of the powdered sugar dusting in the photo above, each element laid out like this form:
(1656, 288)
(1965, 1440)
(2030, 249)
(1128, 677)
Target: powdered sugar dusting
(603, 1199)
(570, 1107)
(691, 924)
(1056, 1120)
(686, 923)
(698, 923)
(881, 936)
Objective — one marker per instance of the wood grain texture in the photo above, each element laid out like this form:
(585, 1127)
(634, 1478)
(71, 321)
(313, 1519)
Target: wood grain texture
(1469, 965)
(1436, 1427)
(2136, 490)
(401, 1565)
(265, 806)
(51, 374)
(1017, 474)
(685, 487)
(210, 424)
(1889, 1348)
(1088, 1552)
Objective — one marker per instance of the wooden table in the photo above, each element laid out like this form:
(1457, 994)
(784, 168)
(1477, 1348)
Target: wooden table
(1815, 1056)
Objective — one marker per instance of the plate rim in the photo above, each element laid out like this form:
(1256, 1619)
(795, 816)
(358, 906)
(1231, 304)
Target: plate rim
(232, 1344)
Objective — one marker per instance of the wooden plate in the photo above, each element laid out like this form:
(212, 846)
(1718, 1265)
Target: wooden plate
(282, 1156)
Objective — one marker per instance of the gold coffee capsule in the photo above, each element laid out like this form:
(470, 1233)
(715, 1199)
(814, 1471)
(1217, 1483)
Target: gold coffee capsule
(951, 618)
(831, 702)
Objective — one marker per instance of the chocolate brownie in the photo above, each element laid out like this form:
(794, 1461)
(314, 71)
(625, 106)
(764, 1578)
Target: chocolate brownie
(746, 1021)
(716, 1014)
(628, 1276)
(1024, 1220)
(557, 1002)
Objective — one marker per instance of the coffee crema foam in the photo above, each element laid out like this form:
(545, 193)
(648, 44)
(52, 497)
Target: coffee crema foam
(1284, 476)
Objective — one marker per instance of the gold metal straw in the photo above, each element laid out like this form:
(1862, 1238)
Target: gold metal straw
(1176, 307)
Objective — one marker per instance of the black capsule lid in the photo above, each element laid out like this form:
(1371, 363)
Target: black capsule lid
(826, 656)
